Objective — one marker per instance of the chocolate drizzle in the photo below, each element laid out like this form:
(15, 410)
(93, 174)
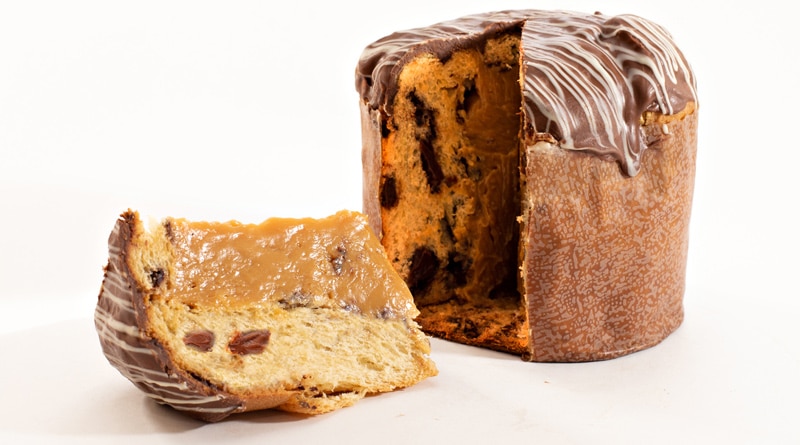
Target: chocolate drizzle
(137, 356)
(587, 78)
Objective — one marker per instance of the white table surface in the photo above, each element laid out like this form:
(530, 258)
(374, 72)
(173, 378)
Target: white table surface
(246, 110)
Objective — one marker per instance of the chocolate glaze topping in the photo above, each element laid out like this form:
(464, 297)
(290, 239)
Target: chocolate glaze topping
(587, 79)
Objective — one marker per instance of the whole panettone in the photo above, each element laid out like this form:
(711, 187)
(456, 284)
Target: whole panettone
(530, 174)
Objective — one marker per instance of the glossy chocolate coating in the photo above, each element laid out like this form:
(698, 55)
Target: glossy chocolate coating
(586, 78)
(119, 315)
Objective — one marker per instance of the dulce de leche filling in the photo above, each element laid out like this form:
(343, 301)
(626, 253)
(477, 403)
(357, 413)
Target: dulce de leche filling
(318, 263)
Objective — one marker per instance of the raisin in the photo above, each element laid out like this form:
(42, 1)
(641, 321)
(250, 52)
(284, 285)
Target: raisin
(202, 340)
(388, 192)
(249, 342)
(424, 265)
(157, 277)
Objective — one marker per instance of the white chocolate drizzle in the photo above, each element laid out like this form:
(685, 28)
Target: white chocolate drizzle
(586, 78)
(589, 78)
(128, 348)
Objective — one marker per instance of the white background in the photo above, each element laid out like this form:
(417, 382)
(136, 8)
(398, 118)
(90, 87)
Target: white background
(246, 110)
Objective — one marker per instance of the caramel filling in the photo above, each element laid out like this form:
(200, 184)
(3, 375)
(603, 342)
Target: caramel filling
(326, 263)
(307, 306)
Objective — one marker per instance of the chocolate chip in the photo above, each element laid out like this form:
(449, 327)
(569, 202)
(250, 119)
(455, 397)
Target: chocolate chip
(447, 230)
(424, 265)
(349, 307)
(457, 266)
(169, 230)
(465, 325)
(337, 259)
(202, 340)
(469, 98)
(452, 319)
(464, 164)
(430, 165)
(384, 129)
(386, 313)
(305, 405)
(423, 115)
(470, 329)
(296, 299)
(157, 277)
(510, 328)
(425, 119)
(249, 342)
(472, 171)
(388, 192)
